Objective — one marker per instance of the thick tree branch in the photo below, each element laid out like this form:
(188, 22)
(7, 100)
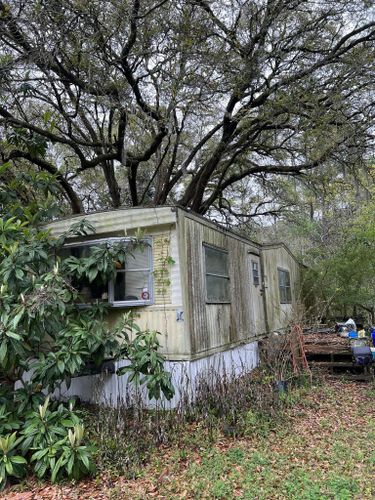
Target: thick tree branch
(71, 195)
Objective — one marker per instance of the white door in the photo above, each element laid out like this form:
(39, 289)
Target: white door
(257, 293)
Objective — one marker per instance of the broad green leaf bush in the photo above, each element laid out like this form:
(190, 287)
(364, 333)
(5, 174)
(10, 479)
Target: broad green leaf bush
(46, 340)
(55, 437)
(11, 464)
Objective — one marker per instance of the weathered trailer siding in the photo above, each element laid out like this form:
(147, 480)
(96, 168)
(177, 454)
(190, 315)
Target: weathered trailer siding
(275, 257)
(191, 328)
(165, 314)
(215, 327)
(198, 338)
(121, 221)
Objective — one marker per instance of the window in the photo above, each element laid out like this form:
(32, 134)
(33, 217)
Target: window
(217, 275)
(132, 285)
(284, 287)
(133, 279)
(255, 269)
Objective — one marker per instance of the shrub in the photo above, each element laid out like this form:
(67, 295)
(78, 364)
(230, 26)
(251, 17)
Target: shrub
(11, 464)
(45, 340)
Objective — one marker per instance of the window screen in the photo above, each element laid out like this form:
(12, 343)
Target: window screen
(255, 269)
(284, 287)
(217, 275)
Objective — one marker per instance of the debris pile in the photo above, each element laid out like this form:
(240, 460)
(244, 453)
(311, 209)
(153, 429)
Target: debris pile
(342, 350)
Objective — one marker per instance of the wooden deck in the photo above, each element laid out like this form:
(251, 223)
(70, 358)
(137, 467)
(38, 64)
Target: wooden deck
(332, 354)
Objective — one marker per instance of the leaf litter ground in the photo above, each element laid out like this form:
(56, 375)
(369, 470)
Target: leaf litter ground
(321, 448)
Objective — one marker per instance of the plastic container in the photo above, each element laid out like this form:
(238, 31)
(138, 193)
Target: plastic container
(353, 335)
(361, 334)
(358, 342)
(373, 352)
(282, 386)
(373, 336)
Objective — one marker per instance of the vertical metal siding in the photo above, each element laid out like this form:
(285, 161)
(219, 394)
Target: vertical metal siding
(203, 328)
(279, 315)
(216, 326)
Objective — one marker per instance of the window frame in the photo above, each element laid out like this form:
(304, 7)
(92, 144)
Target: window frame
(227, 277)
(288, 299)
(111, 283)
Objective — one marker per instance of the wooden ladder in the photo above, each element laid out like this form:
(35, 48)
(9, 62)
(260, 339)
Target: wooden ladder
(297, 348)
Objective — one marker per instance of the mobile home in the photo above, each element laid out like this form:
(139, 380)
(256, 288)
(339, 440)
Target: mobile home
(210, 292)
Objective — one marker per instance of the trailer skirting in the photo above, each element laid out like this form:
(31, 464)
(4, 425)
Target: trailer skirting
(187, 376)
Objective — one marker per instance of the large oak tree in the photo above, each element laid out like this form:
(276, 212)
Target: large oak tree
(133, 102)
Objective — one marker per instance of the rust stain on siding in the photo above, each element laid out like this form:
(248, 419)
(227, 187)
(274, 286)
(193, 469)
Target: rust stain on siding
(162, 274)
